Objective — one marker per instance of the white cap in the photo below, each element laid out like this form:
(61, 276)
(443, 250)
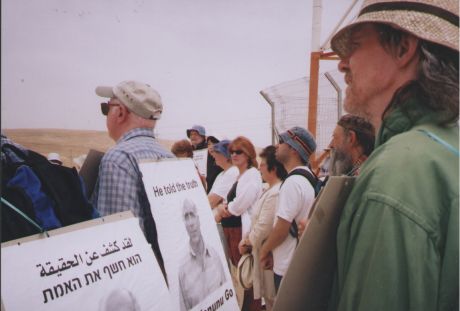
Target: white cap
(54, 157)
(138, 97)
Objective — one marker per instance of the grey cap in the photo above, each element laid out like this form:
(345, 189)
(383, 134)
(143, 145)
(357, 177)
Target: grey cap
(138, 97)
(301, 140)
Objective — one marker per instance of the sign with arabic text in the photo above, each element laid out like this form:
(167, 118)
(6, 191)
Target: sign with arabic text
(95, 268)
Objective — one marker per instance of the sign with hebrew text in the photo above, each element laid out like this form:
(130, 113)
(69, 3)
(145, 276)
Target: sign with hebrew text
(101, 267)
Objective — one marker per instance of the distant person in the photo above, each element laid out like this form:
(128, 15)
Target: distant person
(398, 235)
(211, 141)
(296, 196)
(201, 271)
(119, 300)
(184, 149)
(352, 143)
(225, 180)
(54, 158)
(197, 136)
(132, 112)
(263, 217)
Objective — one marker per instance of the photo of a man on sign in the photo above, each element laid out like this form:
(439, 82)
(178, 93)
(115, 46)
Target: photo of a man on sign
(201, 271)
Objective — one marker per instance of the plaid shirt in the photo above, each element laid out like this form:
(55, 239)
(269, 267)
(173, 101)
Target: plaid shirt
(119, 186)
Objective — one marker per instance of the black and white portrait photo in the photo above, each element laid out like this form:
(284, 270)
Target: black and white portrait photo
(201, 271)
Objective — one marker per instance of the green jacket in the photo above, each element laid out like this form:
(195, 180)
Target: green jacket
(398, 237)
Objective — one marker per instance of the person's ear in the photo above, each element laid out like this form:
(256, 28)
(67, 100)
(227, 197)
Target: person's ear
(352, 138)
(122, 113)
(407, 50)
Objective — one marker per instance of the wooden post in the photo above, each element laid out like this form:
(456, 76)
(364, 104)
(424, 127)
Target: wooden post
(313, 98)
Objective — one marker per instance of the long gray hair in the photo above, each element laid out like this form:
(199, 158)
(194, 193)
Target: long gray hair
(437, 82)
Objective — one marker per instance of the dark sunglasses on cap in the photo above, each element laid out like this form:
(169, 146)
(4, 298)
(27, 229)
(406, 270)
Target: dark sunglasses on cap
(105, 107)
(236, 152)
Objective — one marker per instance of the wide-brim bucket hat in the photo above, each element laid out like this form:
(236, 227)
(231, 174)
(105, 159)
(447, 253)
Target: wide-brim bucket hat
(301, 140)
(197, 128)
(434, 21)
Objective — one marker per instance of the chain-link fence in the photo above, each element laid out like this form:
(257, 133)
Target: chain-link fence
(289, 101)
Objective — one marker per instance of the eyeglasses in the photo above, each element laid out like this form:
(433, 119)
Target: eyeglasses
(105, 107)
(238, 152)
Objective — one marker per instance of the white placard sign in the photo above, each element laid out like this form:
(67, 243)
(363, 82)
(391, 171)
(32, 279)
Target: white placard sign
(195, 264)
(200, 157)
(104, 267)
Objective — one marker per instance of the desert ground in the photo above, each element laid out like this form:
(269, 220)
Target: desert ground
(70, 144)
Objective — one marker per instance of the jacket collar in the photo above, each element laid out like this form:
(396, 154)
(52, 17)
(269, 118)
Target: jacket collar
(404, 117)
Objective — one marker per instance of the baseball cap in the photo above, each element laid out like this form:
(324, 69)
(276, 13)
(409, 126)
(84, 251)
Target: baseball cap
(138, 97)
(54, 157)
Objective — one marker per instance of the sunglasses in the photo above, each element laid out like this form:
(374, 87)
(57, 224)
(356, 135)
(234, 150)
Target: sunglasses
(105, 107)
(238, 152)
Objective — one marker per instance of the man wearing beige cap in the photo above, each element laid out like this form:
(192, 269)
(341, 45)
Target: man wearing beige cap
(398, 237)
(132, 111)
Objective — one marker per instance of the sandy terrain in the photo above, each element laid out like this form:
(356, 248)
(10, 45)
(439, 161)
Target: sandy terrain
(69, 144)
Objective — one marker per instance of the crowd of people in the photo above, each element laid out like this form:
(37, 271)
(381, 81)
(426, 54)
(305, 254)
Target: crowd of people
(398, 236)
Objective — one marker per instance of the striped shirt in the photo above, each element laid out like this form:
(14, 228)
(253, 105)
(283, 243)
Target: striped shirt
(119, 186)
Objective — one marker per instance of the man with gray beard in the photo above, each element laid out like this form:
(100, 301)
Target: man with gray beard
(352, 142)
(398, 234)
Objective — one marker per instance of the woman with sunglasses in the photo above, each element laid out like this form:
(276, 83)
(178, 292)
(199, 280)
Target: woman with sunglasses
(236, 214)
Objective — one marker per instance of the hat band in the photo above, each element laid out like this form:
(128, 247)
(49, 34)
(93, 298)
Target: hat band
(412, 6)
(302, 144)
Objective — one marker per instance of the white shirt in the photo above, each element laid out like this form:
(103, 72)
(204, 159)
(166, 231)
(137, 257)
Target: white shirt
(295, 199)
(248, 190)
(224, 181)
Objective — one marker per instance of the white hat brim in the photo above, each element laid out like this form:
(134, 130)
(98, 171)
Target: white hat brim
(105, 91)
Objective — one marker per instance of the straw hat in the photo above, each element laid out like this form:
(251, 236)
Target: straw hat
(431, 20)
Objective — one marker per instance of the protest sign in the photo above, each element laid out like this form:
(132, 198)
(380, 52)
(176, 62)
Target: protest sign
(200, 157)
(195, 264)
(308, 281)
(105, 266)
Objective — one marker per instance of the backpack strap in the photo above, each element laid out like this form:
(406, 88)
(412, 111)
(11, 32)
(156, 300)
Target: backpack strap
(17, 210)
(313, 180)
(309, 176)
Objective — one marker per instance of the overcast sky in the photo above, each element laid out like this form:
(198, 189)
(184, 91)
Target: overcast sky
(207, 58)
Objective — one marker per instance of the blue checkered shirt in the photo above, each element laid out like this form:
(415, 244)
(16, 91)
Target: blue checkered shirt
(119, 186)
